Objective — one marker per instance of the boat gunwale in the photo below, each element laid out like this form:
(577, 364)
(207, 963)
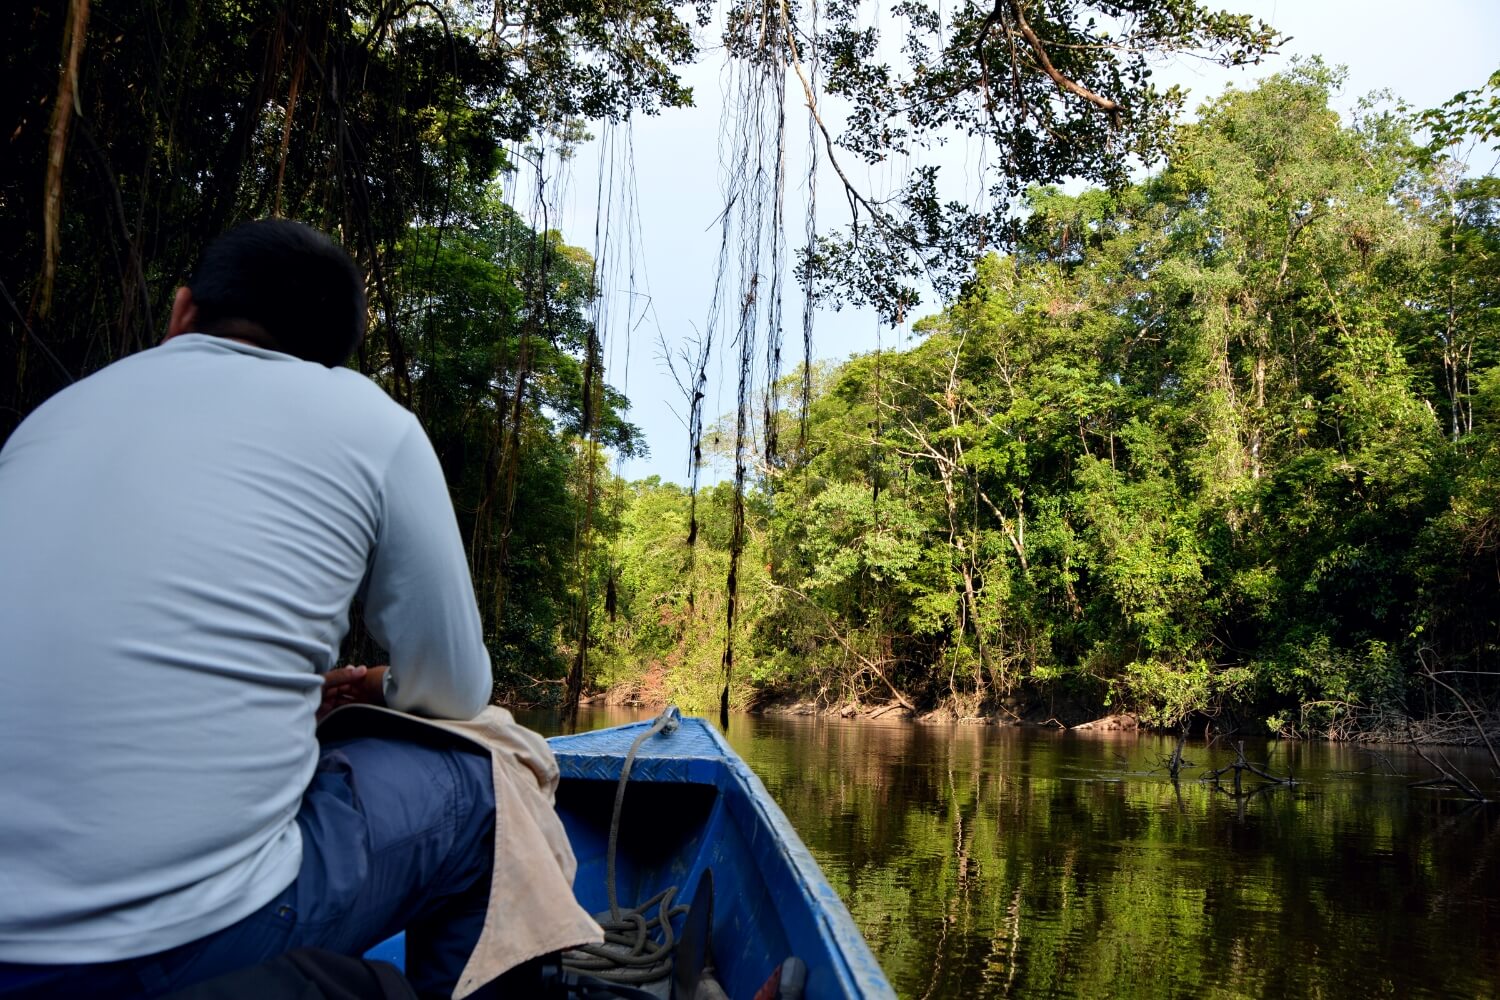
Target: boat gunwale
(854, 964)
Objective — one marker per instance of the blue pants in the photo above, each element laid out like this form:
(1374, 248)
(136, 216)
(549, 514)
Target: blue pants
(395, 836)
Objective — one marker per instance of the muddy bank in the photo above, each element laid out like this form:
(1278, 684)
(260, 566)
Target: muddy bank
(1081, 715)
(1034, 718)
(1054, 715)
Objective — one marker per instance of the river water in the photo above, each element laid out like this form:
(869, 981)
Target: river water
(995, 862)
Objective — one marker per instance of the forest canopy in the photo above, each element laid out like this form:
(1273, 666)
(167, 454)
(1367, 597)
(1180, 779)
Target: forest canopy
(1219, 440)
(1221, 437)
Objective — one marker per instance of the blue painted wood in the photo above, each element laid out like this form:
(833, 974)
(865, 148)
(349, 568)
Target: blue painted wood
(392, 949)
(693, 805)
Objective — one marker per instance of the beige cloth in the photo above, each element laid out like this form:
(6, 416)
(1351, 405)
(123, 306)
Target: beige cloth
(532, 910)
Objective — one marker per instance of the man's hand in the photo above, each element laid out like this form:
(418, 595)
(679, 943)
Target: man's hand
(354, 685)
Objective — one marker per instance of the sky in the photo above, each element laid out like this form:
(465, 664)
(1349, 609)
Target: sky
(660, 253)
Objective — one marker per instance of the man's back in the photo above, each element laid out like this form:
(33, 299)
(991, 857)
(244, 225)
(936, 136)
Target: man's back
(180, 538)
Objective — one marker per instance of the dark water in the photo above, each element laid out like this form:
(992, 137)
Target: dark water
(983, 862)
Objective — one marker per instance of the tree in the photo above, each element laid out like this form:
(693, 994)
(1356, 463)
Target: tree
(169, 122)
(1059, 90)
(390, 126)
(1188, 448)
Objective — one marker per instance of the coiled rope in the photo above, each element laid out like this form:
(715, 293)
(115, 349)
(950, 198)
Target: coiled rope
(637, 948)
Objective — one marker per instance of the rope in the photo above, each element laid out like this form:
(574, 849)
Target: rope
(637, 948)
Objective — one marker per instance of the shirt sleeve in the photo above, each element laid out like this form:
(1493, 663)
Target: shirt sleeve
(419, 599)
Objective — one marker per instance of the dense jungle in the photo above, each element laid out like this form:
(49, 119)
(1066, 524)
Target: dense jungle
(1217, 436)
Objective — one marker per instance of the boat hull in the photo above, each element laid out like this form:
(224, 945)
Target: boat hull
(693, 806)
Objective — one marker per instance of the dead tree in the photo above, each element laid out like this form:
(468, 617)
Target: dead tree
(1239, 767)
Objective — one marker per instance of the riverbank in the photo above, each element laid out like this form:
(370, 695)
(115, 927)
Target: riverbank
(1054, 715)
(1355, 725)
(1121, 722)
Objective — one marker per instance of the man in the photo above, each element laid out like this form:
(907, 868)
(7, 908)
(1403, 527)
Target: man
(181, 537)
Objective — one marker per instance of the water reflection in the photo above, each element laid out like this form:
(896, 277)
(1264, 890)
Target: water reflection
(986, 862)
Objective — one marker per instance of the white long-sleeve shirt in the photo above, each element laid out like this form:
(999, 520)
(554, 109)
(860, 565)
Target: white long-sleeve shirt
(181, 535)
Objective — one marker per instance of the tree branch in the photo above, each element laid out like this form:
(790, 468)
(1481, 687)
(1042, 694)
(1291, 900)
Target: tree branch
(1112, 108)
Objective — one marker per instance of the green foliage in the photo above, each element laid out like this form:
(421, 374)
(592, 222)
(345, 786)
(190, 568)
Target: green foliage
(1064, 88)
(1225, 439)
(1467, 115)
(665, 638)
(362, 119)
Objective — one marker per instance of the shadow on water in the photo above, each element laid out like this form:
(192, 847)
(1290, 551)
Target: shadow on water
(985, 862)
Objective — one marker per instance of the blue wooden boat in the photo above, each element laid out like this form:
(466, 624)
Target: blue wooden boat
(692, 806)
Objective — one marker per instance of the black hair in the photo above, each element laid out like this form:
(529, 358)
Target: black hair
(289, 280)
